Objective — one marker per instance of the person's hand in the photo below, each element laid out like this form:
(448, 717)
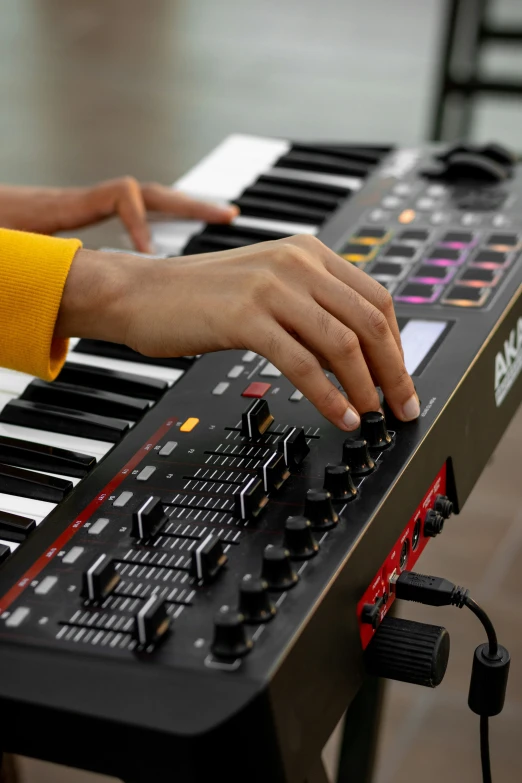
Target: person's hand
(49, 210)
(293, 300)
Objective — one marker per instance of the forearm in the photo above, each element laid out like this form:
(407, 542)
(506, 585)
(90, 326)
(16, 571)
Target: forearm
(95, 301)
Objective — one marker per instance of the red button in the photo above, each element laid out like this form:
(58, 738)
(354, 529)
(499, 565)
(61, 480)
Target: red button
(256, 390)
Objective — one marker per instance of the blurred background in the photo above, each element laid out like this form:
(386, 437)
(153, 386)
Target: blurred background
(91, 89)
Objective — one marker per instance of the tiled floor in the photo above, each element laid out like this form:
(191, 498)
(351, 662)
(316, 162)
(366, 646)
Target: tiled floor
(91, 89)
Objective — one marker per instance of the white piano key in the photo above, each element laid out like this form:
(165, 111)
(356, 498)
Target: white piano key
(25, 507)
(169, 374)
(74, 480)
(340, 181)
(281, 226)
(171, 236)
(6, 397)
(12, 546)
(95, 448)
(232, 166)
(12, 382)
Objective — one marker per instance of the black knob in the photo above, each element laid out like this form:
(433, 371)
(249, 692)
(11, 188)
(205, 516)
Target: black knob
(148, 519)
(277, 570)
(371, 613)
(274, 472)
(374, 431)
(319, 510)
(251, 499)
(254, 600)
(299, 539)
(208, 559)
(339, 483)
(293, 447)
(152, 622)
(357, 457)
(444, 506)
(256, 420)
(408, 651)
(100, 579)
(433, 523)
(230, 636)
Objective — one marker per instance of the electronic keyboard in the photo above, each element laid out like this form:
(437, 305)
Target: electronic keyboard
(193, 560)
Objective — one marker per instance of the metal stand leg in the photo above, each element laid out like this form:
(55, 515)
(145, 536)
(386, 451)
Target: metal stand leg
(360, 734)
(437, 123)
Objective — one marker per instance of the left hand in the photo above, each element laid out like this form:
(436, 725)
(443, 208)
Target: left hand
(48, 210)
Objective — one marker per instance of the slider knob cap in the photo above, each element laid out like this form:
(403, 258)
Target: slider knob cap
(409, 652)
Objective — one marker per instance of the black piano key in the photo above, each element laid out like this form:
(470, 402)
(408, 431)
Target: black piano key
(347, 149)
(4, 553)
(37, 456)
(79, 398)
(67, 422)
(14, 528)
(322, 164)
(226, 237)
(309, 189)
(117, 351)
(360, 154)
(113, 381)
(36, 486)
(276, 209)
(282, 190)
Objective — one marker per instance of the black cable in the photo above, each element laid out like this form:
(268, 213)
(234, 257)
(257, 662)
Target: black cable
(488, 625)
(490, 662)
(484, 749)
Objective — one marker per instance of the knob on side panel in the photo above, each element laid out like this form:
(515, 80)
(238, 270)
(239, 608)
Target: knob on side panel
(409, 651)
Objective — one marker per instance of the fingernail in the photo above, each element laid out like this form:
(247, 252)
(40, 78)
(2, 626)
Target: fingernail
(350, 419)
(411, 409)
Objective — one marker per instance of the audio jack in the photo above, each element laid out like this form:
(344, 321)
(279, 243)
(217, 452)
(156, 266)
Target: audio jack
(489, 675)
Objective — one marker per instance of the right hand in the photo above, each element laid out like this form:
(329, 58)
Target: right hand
(293, 301)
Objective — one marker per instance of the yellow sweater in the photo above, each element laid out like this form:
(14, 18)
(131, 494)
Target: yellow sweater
(33, 270)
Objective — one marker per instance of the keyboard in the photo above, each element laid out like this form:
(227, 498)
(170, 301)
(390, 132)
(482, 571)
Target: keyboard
(194, 561)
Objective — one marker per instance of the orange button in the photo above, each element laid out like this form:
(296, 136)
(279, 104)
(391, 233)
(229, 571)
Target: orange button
(256, 389)
(189, 425)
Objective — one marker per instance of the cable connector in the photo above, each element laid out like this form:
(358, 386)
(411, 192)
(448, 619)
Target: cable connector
(429, 590)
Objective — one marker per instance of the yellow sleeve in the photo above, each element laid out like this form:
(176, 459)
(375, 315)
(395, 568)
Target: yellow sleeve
(33, 270)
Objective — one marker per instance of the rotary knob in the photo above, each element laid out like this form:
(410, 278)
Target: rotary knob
(319, 510)
(299, 539)
(408, 651)
(374, 430)
(339, 483)
(277, 570)
(357, 457)
(254, 600)
(433, 523)
(230, 636)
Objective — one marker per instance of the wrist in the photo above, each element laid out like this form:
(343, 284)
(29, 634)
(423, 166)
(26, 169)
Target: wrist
(96, 295)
